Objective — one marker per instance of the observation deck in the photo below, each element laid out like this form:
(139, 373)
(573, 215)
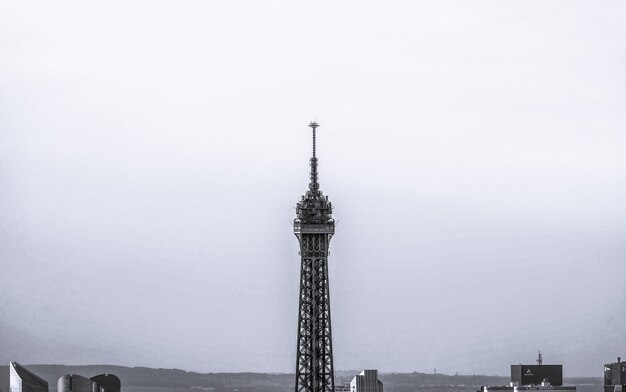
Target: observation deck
(313, 228)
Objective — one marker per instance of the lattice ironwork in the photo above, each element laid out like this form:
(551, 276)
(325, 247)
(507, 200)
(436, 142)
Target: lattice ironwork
(314, 228)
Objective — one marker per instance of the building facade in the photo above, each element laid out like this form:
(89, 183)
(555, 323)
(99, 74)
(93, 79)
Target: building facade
(108, 382)
(99, 383)
(537, 374)
(23, 380)
(366, 381)
(76, 383)
(531, 378)
(343, 388)
(528, 388)
(615, 376)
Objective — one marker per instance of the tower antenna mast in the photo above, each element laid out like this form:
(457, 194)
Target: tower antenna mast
(314, 186)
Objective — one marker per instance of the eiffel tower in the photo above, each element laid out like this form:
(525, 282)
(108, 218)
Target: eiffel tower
(314, 227)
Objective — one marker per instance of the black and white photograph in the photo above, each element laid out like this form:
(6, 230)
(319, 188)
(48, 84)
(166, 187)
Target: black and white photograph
(313, 196)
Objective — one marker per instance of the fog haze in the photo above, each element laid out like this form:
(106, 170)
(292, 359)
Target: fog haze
(151, 155)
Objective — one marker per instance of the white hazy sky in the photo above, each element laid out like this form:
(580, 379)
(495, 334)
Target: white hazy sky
(151, 153)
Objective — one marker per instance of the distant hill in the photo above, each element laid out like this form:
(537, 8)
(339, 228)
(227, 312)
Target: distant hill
(141, 379)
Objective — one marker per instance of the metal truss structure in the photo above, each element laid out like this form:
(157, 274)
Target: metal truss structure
(314, 227)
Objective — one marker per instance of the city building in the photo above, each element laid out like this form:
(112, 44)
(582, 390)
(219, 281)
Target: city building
(537, 374)
(343, 388)
(108, 382)
(528, 388)
(23, 380)
(366, 381)
(530, 378)
(76, 383)
(99, 383)
(314, 227)
(615, 376)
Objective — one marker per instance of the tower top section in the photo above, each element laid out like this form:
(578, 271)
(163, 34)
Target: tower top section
(314, 185)
(314, 207)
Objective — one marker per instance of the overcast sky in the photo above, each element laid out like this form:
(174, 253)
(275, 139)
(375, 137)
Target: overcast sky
(151, 154)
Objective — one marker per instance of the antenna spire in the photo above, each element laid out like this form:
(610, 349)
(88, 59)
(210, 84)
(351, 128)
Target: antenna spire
(314, 186)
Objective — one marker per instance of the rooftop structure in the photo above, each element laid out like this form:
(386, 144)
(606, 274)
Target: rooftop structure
(366, 381)
(537, 377)
(23, 380)
(76, 383)
(99, 383)
(528, 388)
(538, 374)
(615, 376)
